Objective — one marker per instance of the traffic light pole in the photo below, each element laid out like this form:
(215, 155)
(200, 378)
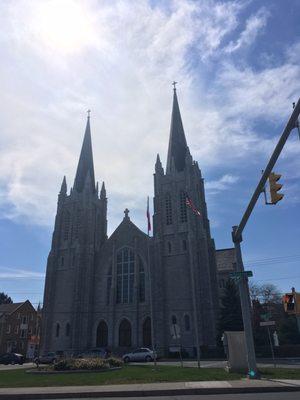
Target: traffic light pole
(237, 239)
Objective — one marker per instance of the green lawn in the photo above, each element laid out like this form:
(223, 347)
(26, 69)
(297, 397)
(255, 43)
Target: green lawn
(128, 374)
(135, 374)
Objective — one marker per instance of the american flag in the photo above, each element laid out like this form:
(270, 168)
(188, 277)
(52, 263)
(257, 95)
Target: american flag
(148, 216)
(190, 204)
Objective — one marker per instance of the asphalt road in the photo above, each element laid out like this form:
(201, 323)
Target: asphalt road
(252, 396)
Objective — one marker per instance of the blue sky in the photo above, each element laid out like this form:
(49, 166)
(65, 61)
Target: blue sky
(238, 68)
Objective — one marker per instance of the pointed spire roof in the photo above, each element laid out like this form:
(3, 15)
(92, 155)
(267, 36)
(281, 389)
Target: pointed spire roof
(85, 164)
(63, 188)
(177, 142)
(103, 191)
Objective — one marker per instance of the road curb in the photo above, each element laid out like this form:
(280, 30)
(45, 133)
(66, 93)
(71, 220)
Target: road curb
(147, 393)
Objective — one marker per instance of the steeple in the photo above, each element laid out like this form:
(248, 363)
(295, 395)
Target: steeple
(63, 188)
(103, 192)
(85, 164)
(177, 142)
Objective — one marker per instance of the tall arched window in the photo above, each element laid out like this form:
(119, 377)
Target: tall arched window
(125, 275)
(66, 226)
(147, 332)
(102, 334)
(57, 329)
(77, 223)
(125, 333)
(183, 212)
(168, 204)
(68, 329)
(108, 285)
(142, 281)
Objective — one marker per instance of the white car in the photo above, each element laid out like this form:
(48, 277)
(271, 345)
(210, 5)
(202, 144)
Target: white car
(142, 354)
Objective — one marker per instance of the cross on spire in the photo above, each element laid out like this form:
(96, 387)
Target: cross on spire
(174, 85)
(126, 212)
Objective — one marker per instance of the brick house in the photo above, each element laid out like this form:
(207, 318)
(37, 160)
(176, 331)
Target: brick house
(19, 328)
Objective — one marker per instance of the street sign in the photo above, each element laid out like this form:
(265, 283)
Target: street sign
(267, 323)
(239, 274)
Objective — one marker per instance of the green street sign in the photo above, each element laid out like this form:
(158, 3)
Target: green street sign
(239, 274)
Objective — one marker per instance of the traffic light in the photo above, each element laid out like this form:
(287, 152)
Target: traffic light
(291, 303)
(275, 187)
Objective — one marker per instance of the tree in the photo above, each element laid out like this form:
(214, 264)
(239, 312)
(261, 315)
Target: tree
(230, 311)
(5, 299)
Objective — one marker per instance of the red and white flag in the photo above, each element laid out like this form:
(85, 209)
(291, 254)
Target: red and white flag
(190, 204)
(148, 216)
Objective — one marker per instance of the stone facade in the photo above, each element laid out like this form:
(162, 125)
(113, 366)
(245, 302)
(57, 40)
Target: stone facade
(103, 292)
(226, 264)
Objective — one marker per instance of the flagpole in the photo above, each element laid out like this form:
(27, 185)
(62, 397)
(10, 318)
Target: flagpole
(192, 275)
(150, 284)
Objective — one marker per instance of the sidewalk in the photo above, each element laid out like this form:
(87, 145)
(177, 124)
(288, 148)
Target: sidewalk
(153, 389)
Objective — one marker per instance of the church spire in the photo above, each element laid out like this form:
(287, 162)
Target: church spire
(177, 142)
(85, 164)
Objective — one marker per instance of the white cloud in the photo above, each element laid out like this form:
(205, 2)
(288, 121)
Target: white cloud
(224, 183)
(15, 273)
(122, 70)
(254, 26)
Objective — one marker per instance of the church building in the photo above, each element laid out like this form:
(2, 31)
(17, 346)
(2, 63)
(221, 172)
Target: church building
(132, 290)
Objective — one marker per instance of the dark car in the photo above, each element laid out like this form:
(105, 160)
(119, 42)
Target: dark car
(12, 358)
(48, 358)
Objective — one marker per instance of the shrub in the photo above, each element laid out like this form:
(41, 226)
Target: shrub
(81, 363)
(114, 362)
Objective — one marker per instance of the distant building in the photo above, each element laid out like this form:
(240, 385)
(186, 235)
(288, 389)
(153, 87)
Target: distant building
(19, 328)
(122, 291)
(226, 264)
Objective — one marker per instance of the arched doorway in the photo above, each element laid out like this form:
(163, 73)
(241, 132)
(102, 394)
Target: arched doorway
(147, 332)
(125, 333)
(102, 334)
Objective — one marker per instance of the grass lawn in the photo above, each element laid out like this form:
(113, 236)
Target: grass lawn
(135, 374)
(128, 374)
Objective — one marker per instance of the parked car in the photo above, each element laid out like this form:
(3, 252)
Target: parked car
(94, 353)
(48, 358)
(12, 358)
(141, 354)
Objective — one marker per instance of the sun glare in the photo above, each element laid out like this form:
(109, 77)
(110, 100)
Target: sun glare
(64, 25)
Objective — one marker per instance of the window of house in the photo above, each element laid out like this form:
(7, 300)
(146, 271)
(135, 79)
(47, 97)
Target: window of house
(23, 333)
(17, 329)
(125, 275)
(168, 204)
(24, 319)
(19, 316)
(183, 212)
(169, 248)
(8, 328)
(142, 281)
(29, 331)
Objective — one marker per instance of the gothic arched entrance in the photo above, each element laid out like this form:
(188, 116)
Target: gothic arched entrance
(125, 333)
(147, 340)
(102, 335)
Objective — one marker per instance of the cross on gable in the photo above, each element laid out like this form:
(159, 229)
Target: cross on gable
(126, 212)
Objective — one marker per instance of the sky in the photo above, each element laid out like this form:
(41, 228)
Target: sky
(237, 64)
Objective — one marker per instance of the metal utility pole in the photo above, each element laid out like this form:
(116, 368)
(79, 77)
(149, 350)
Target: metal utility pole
(237, 239)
